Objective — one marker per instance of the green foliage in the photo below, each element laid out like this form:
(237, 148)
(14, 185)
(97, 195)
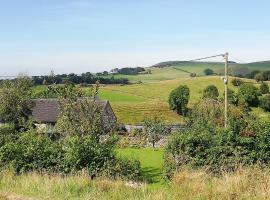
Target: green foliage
(154, 130)
(81, 116)
(232, 97)
(57, 91)
(178, 99)
(15, 106)
(265, 102)
(210, 92)
(248, 93)
(208, 72)
(206, 144)
(31, 151)
(86, 153)
(124, 168)
(237, 82)
(7, 134)
(264, 88)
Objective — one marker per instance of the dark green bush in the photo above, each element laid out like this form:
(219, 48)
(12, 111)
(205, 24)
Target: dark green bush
(265, 102)
(31, 151)
(264, 88)
(35, 152)
(248, 93)
(7, 134)
(208, 72)
(206, 144)
(178, 99)
(123, 168)
(237, 82)
(84, 152)
(210, 92)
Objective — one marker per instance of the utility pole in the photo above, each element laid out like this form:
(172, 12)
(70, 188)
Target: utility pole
(226, 55)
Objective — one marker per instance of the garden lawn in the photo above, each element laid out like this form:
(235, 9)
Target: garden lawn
(151, 162)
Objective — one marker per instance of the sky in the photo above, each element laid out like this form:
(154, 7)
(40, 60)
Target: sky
(37, 36)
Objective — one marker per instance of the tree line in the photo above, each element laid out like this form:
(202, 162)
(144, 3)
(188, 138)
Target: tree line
(84, 78)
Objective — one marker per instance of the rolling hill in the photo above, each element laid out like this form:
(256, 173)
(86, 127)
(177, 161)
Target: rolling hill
(182, 69)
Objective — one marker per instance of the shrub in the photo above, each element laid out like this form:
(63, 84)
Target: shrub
(232, 98)
(259, 77)
(216, 149)
(237, 82)
(210, 92)
(31, 151)
(124, 168)
(265, 102)
(85, 153)
(178, 99)
(208, 72)
(7, 134)
(248, 93)
(15, 106)
(264, 88)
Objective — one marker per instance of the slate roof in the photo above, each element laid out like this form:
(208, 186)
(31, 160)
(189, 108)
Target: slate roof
(47, 110)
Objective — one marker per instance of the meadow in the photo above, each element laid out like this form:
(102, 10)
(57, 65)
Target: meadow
(133, 103)
(148, 94)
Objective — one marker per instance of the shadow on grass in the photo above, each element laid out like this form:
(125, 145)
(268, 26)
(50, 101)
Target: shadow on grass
(151, 174)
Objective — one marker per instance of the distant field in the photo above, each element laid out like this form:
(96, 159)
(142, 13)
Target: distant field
(148, 97)
(139, 101)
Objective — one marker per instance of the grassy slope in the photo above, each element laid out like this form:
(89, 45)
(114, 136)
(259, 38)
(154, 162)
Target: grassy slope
(132, 103)
(150, 99)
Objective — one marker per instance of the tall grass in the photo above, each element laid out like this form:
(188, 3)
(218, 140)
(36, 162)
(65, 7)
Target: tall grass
(251, 183)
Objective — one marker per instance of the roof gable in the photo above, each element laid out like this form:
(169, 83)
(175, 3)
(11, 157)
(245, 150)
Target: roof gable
(47, 110)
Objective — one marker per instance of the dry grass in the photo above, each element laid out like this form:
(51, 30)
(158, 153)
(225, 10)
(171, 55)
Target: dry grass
(251, 183)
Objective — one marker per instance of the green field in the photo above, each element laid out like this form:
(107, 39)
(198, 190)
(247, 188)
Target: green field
(151, 162)
(133, 103)
(148, 95)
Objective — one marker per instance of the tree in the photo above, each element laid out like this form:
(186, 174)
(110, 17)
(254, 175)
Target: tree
(265, 102)
(208, 72)
(237, 82)
(210, 92)
(259, 77)
(154, 130)
(248, 93)
(80, 116)
(264, 88)
(178, 99)
(15, 104)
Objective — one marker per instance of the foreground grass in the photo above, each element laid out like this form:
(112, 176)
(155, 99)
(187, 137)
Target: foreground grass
(243, 184)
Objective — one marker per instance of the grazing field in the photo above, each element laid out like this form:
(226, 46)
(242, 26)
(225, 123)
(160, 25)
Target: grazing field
(148, 95)
(138, 101)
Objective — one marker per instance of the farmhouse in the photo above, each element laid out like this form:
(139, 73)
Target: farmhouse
(45, 113)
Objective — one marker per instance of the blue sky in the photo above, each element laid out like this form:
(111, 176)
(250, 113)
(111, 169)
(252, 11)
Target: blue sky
(37, 36)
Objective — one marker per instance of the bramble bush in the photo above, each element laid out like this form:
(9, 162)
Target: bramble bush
(206, 144)
(265, 102)
(249, 94)
(264, 88)
(31, 151)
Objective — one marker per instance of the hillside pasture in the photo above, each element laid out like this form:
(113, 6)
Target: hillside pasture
(151, 99)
